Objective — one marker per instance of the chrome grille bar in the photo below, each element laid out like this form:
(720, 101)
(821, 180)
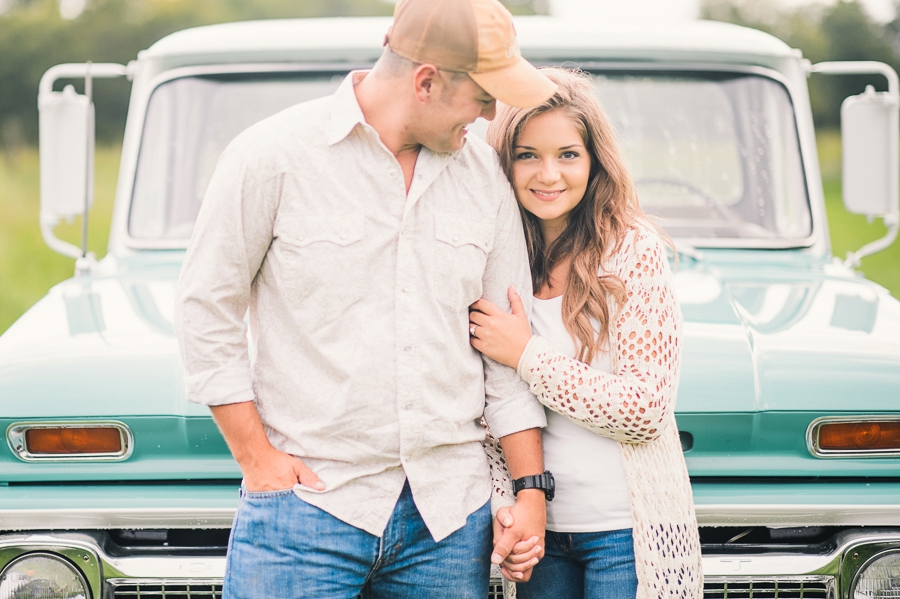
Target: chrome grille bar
(769, 587)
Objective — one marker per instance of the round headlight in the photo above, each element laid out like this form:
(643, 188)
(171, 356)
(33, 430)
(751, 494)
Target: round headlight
(879, 579)
(44, 576)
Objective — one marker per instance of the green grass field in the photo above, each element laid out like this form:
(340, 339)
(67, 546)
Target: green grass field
(28, 268)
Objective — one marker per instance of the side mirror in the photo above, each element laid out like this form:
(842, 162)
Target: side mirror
(66, 140)
(67, 153)
(869, 140)
(871, 166)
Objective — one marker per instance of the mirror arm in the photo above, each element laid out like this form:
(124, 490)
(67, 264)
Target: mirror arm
(860, 67)
(893, 224)
(79, 71)
(89, 175)
(48, 223)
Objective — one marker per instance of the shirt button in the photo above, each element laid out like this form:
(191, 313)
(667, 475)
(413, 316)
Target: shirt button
(456, 238)
(408, 348)
(392, 173)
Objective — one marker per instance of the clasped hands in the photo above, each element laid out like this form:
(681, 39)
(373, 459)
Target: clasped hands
(519, 535)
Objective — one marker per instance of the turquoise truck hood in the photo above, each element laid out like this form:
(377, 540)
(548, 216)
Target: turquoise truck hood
(785, 334)
(772, 340)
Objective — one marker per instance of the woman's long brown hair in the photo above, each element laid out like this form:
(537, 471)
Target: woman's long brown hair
(596, 227)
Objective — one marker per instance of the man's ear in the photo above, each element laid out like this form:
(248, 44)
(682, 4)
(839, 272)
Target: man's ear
(426, 81)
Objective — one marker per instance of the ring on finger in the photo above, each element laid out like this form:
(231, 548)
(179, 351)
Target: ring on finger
(472, 329)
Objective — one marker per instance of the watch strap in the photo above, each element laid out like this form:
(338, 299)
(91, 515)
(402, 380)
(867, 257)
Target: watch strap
(543, 481)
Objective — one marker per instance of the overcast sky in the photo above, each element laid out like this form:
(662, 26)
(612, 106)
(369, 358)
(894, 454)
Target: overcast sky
(880, 10)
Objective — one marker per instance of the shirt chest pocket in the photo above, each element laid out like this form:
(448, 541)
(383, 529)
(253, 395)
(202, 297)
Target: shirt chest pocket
(461, 250)
(322, 262)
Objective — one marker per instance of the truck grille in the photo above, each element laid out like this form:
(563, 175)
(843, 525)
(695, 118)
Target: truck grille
(168, 589)
(769, 587)
(180, 589)
(716, 587)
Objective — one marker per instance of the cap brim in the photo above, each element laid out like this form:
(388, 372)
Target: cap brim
(520, 85)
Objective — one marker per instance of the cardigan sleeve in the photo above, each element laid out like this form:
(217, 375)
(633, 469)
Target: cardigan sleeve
(631, 404)
(501, 482)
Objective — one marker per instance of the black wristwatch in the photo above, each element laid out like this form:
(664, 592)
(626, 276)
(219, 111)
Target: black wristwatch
(544, 482)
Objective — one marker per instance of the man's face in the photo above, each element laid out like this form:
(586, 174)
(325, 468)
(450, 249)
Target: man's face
(458, 104)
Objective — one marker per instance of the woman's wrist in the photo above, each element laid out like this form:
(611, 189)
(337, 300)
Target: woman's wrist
(526, 356)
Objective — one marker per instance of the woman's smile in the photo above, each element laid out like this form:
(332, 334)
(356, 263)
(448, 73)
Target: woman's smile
(547, 195)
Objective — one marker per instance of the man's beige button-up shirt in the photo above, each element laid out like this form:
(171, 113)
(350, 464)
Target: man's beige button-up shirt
(358, 298)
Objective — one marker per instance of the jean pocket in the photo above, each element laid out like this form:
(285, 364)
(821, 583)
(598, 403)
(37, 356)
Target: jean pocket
(269, 494)
(460, 255)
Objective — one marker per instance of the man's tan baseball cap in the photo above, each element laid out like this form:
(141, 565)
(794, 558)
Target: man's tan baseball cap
(469, 36)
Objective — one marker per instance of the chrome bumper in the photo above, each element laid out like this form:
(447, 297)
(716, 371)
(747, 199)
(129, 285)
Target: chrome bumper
(751, 514)
(781, 574)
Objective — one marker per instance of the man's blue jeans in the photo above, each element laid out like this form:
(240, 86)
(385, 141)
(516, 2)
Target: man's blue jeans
(585, 565)
(283, 548)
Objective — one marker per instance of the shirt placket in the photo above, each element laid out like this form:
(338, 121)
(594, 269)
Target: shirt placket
(412, 288)
(408, 291)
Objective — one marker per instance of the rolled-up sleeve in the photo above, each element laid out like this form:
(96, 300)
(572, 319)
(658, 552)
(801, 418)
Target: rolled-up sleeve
(229, 242)
(510, 406)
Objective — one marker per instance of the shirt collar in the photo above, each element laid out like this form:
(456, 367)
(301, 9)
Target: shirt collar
(346, 113)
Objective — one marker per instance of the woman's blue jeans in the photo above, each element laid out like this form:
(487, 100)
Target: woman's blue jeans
(283, 548)
(585, 565)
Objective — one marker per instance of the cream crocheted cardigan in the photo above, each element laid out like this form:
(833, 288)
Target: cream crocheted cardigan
(634, 405)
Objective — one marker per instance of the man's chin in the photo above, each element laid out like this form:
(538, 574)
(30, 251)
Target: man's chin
(445, 145)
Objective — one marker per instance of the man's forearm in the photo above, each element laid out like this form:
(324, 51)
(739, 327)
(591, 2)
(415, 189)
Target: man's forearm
(243, 430)
(524, 453)
(524, 457)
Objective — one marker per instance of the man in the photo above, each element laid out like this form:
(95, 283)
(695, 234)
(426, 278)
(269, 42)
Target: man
(358, 229)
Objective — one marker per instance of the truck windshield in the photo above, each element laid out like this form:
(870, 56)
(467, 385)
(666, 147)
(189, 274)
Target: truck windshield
(715, 157)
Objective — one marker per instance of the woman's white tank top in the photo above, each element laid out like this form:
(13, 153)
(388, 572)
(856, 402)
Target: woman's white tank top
(591, 491)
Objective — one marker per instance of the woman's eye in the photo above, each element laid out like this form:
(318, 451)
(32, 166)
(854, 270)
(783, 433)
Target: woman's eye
(524, 155)
(570, 155)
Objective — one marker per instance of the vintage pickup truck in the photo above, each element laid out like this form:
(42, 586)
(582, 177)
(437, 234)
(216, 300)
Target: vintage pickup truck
(113, 486)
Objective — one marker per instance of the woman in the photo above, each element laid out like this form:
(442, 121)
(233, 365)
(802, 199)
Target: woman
(603, 360)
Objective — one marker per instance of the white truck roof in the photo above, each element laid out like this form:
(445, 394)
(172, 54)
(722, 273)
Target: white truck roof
(359, 39)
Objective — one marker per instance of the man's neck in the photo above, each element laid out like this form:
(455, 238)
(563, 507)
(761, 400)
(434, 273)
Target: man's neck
(386, 111)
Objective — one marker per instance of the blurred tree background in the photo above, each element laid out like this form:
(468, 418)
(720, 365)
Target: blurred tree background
(37, 34)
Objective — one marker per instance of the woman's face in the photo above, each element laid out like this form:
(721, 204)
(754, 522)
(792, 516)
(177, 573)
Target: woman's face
(551, 168)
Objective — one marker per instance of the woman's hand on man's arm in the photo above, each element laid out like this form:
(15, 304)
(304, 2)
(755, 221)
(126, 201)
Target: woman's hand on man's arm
(500, 335)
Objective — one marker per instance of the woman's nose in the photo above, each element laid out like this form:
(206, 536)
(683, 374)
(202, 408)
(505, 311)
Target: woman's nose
(548, 173)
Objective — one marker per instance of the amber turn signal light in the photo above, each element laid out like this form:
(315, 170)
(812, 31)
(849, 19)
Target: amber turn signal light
(860, 436)
(73, 440)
